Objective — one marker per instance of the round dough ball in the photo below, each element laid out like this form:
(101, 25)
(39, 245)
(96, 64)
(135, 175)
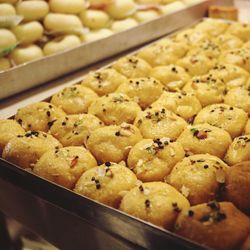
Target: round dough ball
(121, 25)
(181, 103)
(212, 27)
(238, 185)
(32, 10)
(132, 67)
(73, 130)
(247, 128)
(239, 97)
(172, 76)
(204, 138)
(8, 130)
(121, 9)
(232, 75)
(159, 122)
(64, 166)
(216, 225)
(7, 9)
(26, 54)
(64, 23)
(115, 108)
(4, 64)
(196, 64)
(231, 119)
(103, 81)
(152, 160)
(96, 35)
(28, 32)
(155, 202)
(60, 44)
(142, 16)
(198, 177)
(208, 89)
(240, 30)
(191, 36)
(25, 150)
(74, 99)
(239, 57)
(67, 6)
(8, 39)
(38, 116)
(172, 6)
(95, 19)
(239, 150)
(228, 41)
(113, 143)
(142, 90)
(106, 183)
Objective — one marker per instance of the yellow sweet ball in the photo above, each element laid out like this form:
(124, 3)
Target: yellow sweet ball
(142, 16)
(228, 41)
(67, 6)
(121, 25)
(240, 30)
(106, 183)
(95, 35)
(7, 9)
(8, 39)
(32, 10)
(95, 19)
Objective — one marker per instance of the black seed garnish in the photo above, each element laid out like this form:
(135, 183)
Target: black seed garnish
(141, 188)
(205, 218)
(220, 216)
(213, 205)
(117, 133)
(147, 203)
(48, 113)
(190, 213)
(93, 178)
(205, 166)
(63, 123)
(20, 121)
(107, 164)
(51, 123)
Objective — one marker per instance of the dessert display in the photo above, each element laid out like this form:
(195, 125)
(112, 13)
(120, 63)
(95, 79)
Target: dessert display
(32, 29)
(162, 134)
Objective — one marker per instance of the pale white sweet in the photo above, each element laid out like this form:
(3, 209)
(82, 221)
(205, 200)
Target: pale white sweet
(32, 10)
(121, 9)
(125, 24)
(7, 9)
(172, 7)
(145, 15)
(25, 54)
(62, 22)
(28, 32)
(67, 6)
(96, 35)
(7, 40)
(4, 64)
(61, 43)
(95, 19)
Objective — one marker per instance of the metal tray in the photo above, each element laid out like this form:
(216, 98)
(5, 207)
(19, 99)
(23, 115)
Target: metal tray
(25, 76)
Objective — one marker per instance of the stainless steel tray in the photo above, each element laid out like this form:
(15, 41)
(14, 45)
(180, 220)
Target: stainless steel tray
(31, 74)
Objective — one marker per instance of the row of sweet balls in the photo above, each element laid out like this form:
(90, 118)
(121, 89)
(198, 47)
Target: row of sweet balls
(63, 27)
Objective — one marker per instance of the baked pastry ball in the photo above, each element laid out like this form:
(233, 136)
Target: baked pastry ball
(213, 27)
(196, 64)
(38, 116)
(159, 122)
(115, 108)
(25, 150)
(8, 130)
(183, 104)
(172, 76)
(132, 67)
(198, 177)
(208, 89)
(152, 160)
(228, 41)
(240, 30)
(191, 36)
(204, 138)
(162, 53)
(229, 118)
(74, 99)
(73, 130)
(239, 57)
(247, 128)
(238, 185)
(106, 183)
(239, 97)
(103, 81)
(144, 90)
(216, 225)
(113, 143)
(95, 19)
(64, 166)
(155, 202)
(239, 150)
(232, 75)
